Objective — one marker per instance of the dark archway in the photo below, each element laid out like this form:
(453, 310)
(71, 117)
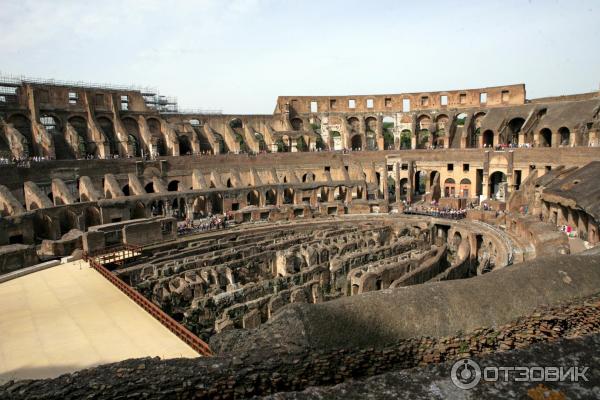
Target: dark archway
(288, 196)
(173, 186)
(23, 125)
(488, 138)
(545, 138)
(497, 182)
(185, 145)
(512, 131)
(107, 128)
(565, 136)
(253, 199)
(271, 197)
(149, 187)
(356, 142)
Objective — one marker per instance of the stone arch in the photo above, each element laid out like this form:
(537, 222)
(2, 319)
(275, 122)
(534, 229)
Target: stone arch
(389, 127)
(497, 185)
(92, 217)
(154, 127)
(297, 124)
(236, 123)
(133, 137)
(405, 139)
(288, 196)
(512, 131)
(465, 187)
(68, 220)
(449, 187)
(138, 210)
(149, 188)
(308, 177)
(253, 198)
(126, 190)
(403, 187)
(565, 136)
(185, 145)
(270, 197)
(108, 129)
(545, 137)
(356, 142)
(488, 138)
(216, 203)
(22, 124)
(85, 146)
(339, 193)
(173, 186)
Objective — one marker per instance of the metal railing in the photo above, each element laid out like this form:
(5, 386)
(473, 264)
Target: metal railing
(175, 327)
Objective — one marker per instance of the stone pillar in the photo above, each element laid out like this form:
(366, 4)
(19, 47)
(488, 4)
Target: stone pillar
(485, 187)
(397, 179)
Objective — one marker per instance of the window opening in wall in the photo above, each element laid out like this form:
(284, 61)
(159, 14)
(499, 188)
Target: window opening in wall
(425, 101)
(483, 98)
(390, 167)
(465, 167)
(333, 103)
(388, 102)
(548, 168)
(124, 103)
(351, 103)
(314, 106)
(369, 103)
(505, 95)
(450, 167)
(517, 179)
(404, 167)
(72, 98)
(405, 105)
(462, 98)
(443, 100)
(532, 166)
(345, 166)
(327, 168)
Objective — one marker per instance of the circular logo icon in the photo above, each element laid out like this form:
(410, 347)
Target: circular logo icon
(465, 374)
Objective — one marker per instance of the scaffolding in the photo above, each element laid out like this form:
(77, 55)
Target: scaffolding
(152, 98)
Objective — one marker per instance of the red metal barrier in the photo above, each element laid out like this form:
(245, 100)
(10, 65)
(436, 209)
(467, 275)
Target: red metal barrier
(179, 330)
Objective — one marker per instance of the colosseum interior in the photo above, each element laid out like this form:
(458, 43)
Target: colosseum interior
(334, 239)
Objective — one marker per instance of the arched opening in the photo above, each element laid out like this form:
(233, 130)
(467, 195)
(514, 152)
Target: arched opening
(340, 193)
(23, 125)
(488, 138)
(301, 144)
(216, 203)
(271, 197)
(126, 190)
(149, 187)
(185, 145)
(138, 211)
(68, 220)
(236, 123)
(356, 142)
(173, 186)
(199, 207)
(323, 195)
(252, 199)
(92, 217)
(282, 147)
(420, 186)
(308, 177)
(441, 129)
(465, 187)
(545, 138)
(389, 127)
(262, 145)
(297, 124)
(229, 184)
(155, 131)
(133, 136)
(107, 128)
(405, 139)
(423, 138)
(498, 186)
(391, 184)
(449, 188)
(288, 196)
(565, 136)
(403, 188)
(512, 131)
(84, 148)
(222, 146)
(336, 140)
(53, 127)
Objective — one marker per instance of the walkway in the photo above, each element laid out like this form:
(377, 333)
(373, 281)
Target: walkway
(69, 317)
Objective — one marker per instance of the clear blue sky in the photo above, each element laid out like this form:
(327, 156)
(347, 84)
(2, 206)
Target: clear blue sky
(238, 55)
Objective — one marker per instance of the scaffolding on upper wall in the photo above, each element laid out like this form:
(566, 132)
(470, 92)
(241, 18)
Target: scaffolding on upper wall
(152, 98)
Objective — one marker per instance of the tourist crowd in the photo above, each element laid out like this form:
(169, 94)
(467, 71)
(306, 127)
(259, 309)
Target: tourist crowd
(211, 222)
(438, 212)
